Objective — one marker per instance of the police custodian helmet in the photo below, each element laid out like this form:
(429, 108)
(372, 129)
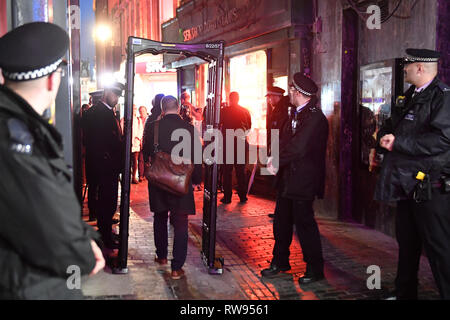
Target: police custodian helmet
(33, 50)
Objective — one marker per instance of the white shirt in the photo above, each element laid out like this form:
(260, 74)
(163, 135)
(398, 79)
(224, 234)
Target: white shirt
(110, 108)
(299, 108)
(423, 87)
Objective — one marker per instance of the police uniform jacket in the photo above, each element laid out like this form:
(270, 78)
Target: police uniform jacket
(104, 142)
(279, 118)
(161, 200)
(422, 142)
(302, 156)
(279, 114)
(41, 232)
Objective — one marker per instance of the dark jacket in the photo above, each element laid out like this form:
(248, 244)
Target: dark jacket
(41, 231)
(104, 142)
(278, 119)
(161, 200)
(279, 114)
(235, 118)
(302, 156)
(422, 142)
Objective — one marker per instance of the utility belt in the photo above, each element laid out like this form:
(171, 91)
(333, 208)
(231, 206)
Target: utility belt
(424, 187)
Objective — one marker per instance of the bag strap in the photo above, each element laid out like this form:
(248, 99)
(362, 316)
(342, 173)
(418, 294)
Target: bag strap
(156, 137)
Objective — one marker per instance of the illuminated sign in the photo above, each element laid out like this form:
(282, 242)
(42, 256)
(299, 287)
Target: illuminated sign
(224, 20)
(151, 67)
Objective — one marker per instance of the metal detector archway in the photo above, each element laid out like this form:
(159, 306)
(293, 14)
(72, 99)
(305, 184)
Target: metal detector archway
(213, 53)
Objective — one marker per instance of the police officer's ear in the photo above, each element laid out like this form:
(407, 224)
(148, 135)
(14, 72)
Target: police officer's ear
(420, 68)
(53, 80)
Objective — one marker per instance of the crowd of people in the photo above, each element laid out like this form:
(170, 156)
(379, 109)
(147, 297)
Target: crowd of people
(42, 233)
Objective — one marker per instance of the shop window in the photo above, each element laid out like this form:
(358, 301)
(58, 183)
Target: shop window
(281, 82)
(248, 77)
(167, 10)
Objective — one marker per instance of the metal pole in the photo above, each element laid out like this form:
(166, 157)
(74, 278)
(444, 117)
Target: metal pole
(126, 176)
(213, 203)
(74, 22)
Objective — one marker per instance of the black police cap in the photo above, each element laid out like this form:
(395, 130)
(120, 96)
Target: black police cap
(32, 51)
(117, 88)
(304, 84)
(421, 55)
(274, 91)
(95, 94)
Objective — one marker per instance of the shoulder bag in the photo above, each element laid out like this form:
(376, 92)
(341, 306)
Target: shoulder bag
(165, 174)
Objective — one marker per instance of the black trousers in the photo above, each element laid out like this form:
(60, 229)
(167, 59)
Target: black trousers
(141, 165)
(179, 221)
(227, 180)
(288, 213)
(108, 188)
(92, 199)
(424, 224)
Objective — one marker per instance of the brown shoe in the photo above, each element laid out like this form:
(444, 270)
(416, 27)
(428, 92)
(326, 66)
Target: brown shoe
(161, 262)
(177, 274)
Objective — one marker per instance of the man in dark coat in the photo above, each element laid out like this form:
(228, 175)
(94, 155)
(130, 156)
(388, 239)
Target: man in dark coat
(43, 241)
(94, 98)
(415, 172)
(104, 158)
(278, 106)
(161, 201)
(234, 117)
(300, 179)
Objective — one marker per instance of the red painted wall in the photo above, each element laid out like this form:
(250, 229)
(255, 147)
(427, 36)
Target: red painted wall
(3, 19)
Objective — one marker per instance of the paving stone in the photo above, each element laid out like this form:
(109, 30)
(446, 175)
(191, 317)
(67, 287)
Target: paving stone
(245, 240)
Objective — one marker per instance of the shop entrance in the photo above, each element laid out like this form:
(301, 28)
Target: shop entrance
(212, 53)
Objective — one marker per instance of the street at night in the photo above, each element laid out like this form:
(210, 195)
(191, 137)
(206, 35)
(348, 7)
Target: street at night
(225, 158)
(245, 241)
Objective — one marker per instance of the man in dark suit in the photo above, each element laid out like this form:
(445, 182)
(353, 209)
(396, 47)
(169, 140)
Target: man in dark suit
(94, 98)
(234, 117)
(161, 201)
(300, 179)
(104, 154)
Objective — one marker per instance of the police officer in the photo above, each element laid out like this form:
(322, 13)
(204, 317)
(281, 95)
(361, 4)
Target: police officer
(299, 180)
(104, 158)
(92, 189)
(234, 117)
(278, 105)
(95, 97)
(42, 238)
(415, 171)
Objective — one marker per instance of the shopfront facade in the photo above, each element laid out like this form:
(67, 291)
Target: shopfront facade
(266, 42)
(330, 42)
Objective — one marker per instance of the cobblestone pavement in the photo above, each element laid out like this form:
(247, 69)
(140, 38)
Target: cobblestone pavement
(245, 241)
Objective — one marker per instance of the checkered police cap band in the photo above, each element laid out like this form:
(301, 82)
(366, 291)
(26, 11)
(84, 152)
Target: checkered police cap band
(300, 89)
(34, 74)
(419, 59)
